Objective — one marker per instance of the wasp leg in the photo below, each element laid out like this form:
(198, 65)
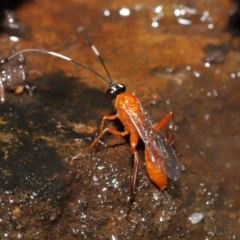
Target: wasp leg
(112, 117)
(133, 144)
(101, 133)
(2, 92)
(163, 123)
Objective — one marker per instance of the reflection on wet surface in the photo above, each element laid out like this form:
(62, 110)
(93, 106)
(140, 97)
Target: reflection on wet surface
(157, 51)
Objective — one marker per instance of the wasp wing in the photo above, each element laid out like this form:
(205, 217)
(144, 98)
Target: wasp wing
(161, 152)
(161, 148)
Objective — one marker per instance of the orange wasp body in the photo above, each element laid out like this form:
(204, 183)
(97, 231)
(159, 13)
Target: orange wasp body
(133, 116)
(161, 160)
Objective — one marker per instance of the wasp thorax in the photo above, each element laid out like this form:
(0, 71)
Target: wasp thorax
(115, 90)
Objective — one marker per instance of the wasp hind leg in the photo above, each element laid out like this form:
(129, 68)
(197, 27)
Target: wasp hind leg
(133, 145)
(163, 124)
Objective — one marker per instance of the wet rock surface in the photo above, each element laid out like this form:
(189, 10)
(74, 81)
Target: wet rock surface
(159, 53)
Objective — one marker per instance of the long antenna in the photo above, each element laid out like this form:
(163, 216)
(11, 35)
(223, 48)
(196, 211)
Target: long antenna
(101, 60)
(59, 56)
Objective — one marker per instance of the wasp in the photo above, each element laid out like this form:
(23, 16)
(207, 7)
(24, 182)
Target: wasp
(160, 157)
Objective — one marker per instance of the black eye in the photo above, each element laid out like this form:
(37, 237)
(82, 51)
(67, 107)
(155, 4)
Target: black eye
(120, 88)
(115, 90)
(111, 93)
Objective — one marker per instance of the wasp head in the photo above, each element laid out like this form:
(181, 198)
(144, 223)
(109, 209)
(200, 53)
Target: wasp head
(115, 90)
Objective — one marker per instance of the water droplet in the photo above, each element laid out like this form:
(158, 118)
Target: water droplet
(233, 75)
(155, 24)
(196, 74)
(210, 26)
(184, 21)
(113, 237)
(80, 29)
(158, 9)
(177, 12)
(207, 64)
(215, 93)
(106, 13)
(188, 68)
(124, 12)
(14, 38)
(204, 16)
(196, 217)
(138, 7)
(155, 196)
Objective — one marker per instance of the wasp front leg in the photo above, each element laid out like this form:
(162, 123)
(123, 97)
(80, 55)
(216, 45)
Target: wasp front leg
(101, 133)
(163, 123)
(112, 117)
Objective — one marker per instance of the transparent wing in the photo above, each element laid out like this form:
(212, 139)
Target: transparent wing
(161, 148)
(161, 152)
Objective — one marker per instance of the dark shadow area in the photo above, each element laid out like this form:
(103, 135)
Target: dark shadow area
(233, 25)
(30, 163)
(9, 22)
